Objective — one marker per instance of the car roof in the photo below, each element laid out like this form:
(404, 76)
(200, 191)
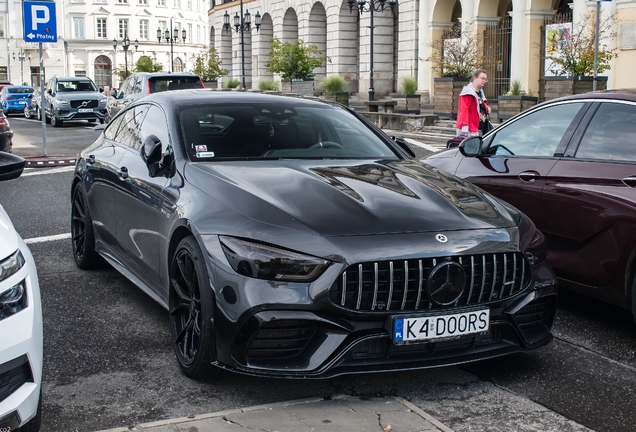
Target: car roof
(201, 96)
(626, 94)
(164, 74)
(19, 86)
(73, 78)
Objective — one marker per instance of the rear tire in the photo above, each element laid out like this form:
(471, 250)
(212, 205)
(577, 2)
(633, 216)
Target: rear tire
(192, 311)
(27, 114)
(82, 235)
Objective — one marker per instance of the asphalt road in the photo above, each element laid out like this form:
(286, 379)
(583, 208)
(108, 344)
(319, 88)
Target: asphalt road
(109, 360)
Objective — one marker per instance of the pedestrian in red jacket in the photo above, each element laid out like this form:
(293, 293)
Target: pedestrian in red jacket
(473, 109)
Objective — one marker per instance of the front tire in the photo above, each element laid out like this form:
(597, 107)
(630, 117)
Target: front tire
(55, 122)
(192, 311)
(82, 235)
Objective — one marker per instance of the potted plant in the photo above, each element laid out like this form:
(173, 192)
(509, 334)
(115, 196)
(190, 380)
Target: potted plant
(207, 66)
(334, 87)
(514, 102)
(408, 100)
(295, 62)
(232, 83)
(267, 84)
(571, 56)
(453, 58)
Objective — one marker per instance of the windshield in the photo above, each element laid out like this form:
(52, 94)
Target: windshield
(281, 131)
(75, 86)
(20, 90)
(156, 85)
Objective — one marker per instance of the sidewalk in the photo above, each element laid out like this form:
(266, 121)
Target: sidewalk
(340, 414)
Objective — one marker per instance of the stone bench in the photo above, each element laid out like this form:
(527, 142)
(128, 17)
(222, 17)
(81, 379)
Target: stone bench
(387, 106)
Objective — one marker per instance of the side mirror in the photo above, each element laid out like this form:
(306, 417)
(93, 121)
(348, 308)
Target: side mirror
(31, 96)
(11, 166)
(101, 90)
(151, 153)
(49, 91)
(404, 146)
(471, 147)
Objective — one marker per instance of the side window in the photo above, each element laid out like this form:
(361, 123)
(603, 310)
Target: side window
(136, 86)
(156, 124)
(111, 130)
(125, 87)
(610, 135)
(128, 134)
(537, 134)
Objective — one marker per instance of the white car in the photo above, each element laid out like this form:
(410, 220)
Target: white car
(20, 322)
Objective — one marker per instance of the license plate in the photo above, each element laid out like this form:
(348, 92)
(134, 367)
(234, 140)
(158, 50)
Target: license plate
(436, 327)
(85, 110)
(22, 102)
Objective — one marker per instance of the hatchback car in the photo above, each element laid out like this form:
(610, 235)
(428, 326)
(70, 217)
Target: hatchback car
(20, 323)
(6, 134)
(14, 98)
(569, 164)
(143, 83)
(289, 237)
(73, 98)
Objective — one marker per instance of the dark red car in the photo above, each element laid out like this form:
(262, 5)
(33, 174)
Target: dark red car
(570, 165)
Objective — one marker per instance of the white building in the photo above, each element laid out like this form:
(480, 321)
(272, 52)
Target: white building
(86, 29)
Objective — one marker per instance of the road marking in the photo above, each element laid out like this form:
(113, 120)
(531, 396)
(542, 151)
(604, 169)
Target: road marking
(421, 144)
(48, 171)
(48, 238)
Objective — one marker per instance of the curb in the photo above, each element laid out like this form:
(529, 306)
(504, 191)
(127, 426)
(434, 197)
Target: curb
(49, 161)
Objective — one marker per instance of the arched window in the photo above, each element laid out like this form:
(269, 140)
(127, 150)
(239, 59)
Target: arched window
(178, 65)
(103, 72)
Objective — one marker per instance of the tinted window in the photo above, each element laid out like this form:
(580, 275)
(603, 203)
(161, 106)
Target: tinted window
(136, 85)
(20, 90)
(111, 130)
(284, 130)
(159, 84)
(155, 124)
(611, 134)
(537, 134)
(129, 133)
(65, 86)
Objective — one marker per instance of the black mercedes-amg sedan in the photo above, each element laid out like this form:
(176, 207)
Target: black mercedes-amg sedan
(290, 237)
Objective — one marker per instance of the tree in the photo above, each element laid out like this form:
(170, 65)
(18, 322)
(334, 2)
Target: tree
(146, 64)
(457, 54)
(295, 61)
(207, 65)
(574, 49)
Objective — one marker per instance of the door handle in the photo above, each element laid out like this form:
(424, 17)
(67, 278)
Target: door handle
(630, 181)
(122, 173)
(529, 176)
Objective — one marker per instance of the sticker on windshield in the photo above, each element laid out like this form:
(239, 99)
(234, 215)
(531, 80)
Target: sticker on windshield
(204, 154)
(201, 148)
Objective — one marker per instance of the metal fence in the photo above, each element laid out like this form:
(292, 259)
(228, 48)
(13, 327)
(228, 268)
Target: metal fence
(497, 40)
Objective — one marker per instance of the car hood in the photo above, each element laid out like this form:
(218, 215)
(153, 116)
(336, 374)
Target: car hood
(8, 235)
(334, 198)
(85, 95)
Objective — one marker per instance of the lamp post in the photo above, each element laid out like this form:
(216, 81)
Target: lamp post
(22, 58)
(125, 45)
(242, 24)
(172, 36)
(371, 6)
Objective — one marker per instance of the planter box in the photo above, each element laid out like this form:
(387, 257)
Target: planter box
(213, 84)
(510, 106)
(340, 97)
(301, 87)
(560, 86)
(406, 104)
(446, 97)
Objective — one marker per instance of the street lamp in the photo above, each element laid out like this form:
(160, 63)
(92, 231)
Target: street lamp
(125, 44)
(242, 24)
(371, 6)
(22, 58)
(172, 38)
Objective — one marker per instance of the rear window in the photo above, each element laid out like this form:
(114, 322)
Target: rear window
(21, 90)
(160, 84)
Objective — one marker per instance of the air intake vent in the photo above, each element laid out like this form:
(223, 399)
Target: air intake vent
(279, 340)
(13, 375)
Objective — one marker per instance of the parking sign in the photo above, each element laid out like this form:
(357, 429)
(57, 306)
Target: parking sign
(40, 24)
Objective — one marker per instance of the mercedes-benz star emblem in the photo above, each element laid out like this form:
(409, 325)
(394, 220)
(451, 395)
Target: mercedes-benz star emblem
(446, 283)
(441, 238)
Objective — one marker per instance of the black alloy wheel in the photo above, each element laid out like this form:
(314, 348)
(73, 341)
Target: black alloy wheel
(82, 235)
(192, 311)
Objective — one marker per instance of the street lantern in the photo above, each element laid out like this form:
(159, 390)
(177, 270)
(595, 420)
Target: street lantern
(125, 45)
(21, 57)
(242, 23)
(172, 39)
(371, 6)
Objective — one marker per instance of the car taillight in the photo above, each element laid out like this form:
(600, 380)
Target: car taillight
(149, 87)
(3, 121)
(201, 81)
(10, 98)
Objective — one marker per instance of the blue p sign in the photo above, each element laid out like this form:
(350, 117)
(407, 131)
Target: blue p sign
(40, 24)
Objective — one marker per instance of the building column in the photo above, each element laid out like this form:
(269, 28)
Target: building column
(518, 46)
(532, 54)
(436, 31)
(424, 72)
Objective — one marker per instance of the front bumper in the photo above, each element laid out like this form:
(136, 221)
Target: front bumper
(67, 114)
(297, 331)
(15, 107)
(21, 352)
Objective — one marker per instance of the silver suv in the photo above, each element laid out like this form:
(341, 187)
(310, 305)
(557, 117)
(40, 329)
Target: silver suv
(73, 98)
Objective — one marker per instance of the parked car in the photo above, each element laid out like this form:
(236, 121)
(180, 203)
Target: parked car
(21, 345)
(4, 83)
(569, 164)
(31, 107)
(143, 83)
(14, 98)
(289, 237)
(73, 98)
(6, 134)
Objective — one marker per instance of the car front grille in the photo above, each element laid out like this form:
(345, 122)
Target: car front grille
(281, 339)
(402, 285)
(13, 375)
(89, 104)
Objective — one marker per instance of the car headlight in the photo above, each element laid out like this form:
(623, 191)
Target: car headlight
(261, 261)
(533, 241)
(13, 300)
(102, 102)
(11, 265)
(60, 103)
